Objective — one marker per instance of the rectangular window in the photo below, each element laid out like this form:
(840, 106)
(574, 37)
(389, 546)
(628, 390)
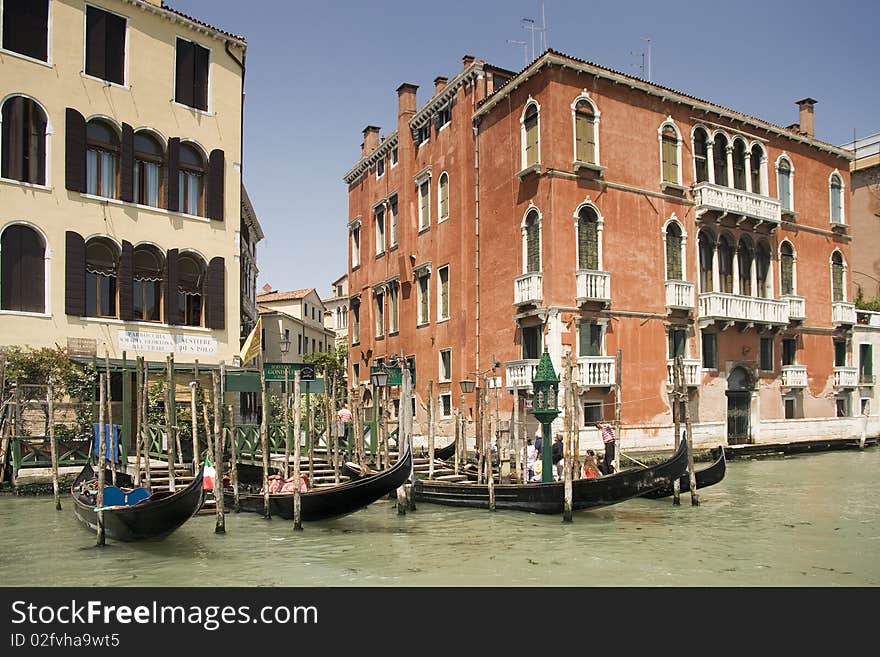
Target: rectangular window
(26, 28)
(423, 134)
(393, 157)
(313, 346)
(710, 351)
(262, 340)
(425, 204)
(866, 364)
(380, 231)
(790, 409)
(445, 365)
(443, 117)
(446, 404)
(592, 412)
(392, 221)
(393, 309)
(842, 407)
(380, 167)
(840, 353)
(105, 45)
(356, 372)
(789, 351)
(531, 342)
(443, 293)
(299, 344)
(767, 354)
(589, 339)
(355, 324)
(355, 247)
(424, 291)
(677, 343)
(380, 315)
(191, 83)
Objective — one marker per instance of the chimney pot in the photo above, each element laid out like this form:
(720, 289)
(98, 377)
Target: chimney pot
(807, 121)
(439, 84)
(406, 98)
(267, 288)
(371, 138)
(467, 60)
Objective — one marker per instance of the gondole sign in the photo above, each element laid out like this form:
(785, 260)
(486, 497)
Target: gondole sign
(276, 371)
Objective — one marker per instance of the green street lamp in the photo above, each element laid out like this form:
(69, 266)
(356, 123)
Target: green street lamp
(545, 407)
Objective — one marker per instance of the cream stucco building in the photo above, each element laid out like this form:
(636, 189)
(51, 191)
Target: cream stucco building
(120, 190)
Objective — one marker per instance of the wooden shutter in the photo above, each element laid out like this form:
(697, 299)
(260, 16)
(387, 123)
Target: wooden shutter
(74, 274)
(22, 270)
(787, 266)
(673, 257)
(531, 141)
(215, 289)
(126, 165)
(183, 88)
(837, 281)
(25, 27)
(214, 193)
(114, 61)
(670, 159)
(125, 282)
(173, 185)
(200, 77)
(425, 202)
(866, 363)
(96, 42)
(172, 307)
(533, 245)
(444, 292)
(585, 137)
(36, 144)
(13, 136)
(75, 151)
(588, 243)
(444, 196)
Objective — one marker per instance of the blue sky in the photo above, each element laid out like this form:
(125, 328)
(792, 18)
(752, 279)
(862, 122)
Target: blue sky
(319, 72)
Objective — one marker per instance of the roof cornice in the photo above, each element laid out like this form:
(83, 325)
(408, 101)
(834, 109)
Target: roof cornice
(371, 158)
(422, 116)
(192, 23)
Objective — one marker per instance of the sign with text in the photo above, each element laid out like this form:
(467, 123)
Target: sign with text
(82, 347)
(275, 371)
(200, 345)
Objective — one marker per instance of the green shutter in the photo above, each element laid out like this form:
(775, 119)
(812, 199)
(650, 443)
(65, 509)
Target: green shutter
(585, 137)
(588, 243)
(670, 159)
(866, 363)
(837, 281)
(444, 197)
(673, 257)
(531, 128)
(444, 292)
(787, 266)
(533, 245)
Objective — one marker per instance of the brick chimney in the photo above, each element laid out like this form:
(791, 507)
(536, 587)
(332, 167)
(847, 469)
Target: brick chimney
(267, 288)
(371, 139)
(406, 98)
(807, 125)
(439, 84)
(467, 60)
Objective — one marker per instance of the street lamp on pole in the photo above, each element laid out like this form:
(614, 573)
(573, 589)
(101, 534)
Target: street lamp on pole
(545, 408)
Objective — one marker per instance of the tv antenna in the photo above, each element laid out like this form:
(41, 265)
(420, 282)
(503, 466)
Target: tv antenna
(529, 24)
(525, 47)
(646, 59)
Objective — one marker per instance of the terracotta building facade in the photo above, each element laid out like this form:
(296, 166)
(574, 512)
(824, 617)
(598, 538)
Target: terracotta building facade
(572, 208)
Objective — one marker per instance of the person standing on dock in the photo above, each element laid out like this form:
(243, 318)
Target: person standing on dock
(530, 460)
(344, 416)
(557, 456)
(608, 437)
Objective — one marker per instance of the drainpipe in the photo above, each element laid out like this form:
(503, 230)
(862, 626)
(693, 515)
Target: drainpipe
(477, 244)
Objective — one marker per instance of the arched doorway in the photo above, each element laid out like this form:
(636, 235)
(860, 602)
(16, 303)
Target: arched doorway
(739, 406)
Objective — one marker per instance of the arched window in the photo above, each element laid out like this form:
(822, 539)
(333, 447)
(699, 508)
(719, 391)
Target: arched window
(744, 255)
(443, 193)
(739, 164)
(786, 268)
(588, 239)
(22, 270)
(783, 182)
(762, 269)
(707, 255)
(190, 284)
(836, 199)
(669, 154)
(149, 170)
(701, 155)
(531, 140)
(191, 181)
(585, 132)
(23, 154)
(725, 265)
(102, 159)
(149, 271)
(757, 164)
(673, 252)
(838, 291)
(719, 155)
(533, 242)
(102, 262)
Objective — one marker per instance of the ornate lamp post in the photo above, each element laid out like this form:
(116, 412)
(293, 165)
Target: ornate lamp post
(379, 379)
(545, 408)
(467, 387)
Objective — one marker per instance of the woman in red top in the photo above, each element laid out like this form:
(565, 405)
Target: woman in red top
(591, 469)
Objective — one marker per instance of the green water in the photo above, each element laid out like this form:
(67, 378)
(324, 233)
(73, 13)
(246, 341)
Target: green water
(800, 521)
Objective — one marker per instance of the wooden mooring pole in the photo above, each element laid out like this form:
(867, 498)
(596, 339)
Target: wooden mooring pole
(50, 400)
(568, 399)
(114, 447)
(403, 425)
(430, 431)
(220, 526)
(286, 423)
(695, 499)
(233, 456)
(514, 432)
(145, 434)
(297, 450)
(138, 400)
(102, 453)
(618, 443)
(264, 435)
(487, 444)
(676, 423)
(169, 429)
(194, 411)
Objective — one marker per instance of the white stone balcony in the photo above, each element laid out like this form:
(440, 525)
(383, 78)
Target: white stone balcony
(680, 295)
(596, 371)
(843, 312)
(797, 307)
(520, 373)
(717, 198)
(593, 286)
(794, 376)
(693, 372)
(846, 377)
(738, 308)
(527, 290)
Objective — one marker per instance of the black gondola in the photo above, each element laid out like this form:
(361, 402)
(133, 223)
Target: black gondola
(549, 497)
(154, 517)
(705, 477)
(443, 453)
(330, 502)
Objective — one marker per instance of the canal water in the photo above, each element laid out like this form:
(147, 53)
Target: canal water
(798, 521)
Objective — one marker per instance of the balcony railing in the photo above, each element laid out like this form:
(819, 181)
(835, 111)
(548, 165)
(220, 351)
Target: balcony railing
(680, 295)
(596, 371)
(843, 312)
(735, 307)
(736, 201)
(794, 376)
(520, 373)
(593, 286)
(527, 289)
(846, 377)
(693, 372)
(797, 307)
